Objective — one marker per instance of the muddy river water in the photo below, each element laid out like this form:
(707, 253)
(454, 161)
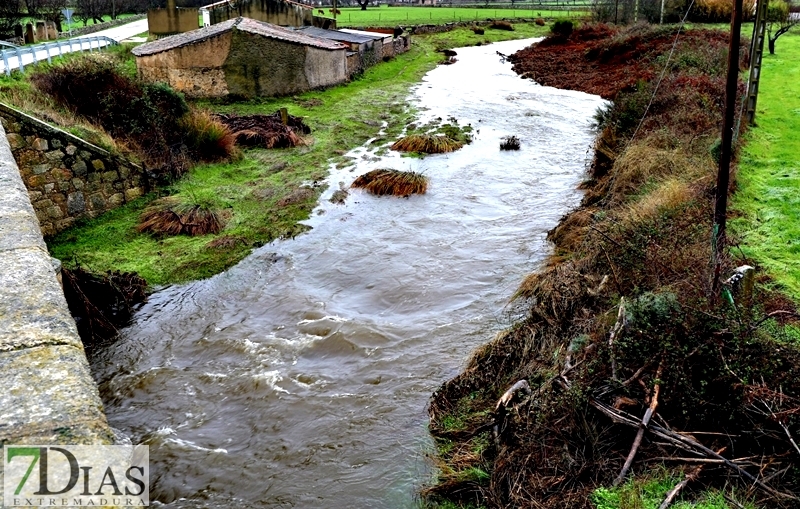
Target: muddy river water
(300, 377)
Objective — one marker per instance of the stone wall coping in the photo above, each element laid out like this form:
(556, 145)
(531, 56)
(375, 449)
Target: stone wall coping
(48, 394)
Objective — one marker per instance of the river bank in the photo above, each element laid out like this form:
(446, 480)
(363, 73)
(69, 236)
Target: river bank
(623, 318)
(266, 193)
(300, 376)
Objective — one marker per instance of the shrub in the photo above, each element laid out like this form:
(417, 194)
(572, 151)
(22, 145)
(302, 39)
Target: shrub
(392, 182)
(562, 28)
(478, 30)
(539, 22)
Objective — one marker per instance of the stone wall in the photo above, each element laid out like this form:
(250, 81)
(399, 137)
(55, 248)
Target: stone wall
(48, 395)
(67, 178)
(163, 22)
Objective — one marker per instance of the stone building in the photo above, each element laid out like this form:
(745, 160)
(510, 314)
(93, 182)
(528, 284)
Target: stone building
(242, 57)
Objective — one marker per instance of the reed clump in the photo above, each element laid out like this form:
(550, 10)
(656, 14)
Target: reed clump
(427, 144)
(392, 182)
(510, 143)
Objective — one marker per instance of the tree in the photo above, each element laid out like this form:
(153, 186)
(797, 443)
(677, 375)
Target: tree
(363, 4)
(10, 14)
(779, 21)
(94, 10)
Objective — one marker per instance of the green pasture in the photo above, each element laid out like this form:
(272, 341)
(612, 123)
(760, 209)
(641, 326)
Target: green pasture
(768, 198)
(392, 16)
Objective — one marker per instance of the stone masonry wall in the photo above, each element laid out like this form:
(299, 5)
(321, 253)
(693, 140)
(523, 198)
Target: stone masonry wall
(67, 178)
(48, 395)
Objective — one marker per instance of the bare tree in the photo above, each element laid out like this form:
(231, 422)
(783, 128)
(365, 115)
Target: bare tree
(363, 4)
(779, 21)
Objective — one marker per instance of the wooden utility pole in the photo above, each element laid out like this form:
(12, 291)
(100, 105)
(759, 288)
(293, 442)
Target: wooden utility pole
(723, 175)
(756, 54)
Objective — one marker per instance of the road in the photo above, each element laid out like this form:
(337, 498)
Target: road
(10, 60)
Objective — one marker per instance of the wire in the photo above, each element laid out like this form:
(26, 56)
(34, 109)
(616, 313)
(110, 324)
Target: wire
(663, 73)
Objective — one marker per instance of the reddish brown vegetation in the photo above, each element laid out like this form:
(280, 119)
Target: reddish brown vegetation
(597, 61)
(265, 131)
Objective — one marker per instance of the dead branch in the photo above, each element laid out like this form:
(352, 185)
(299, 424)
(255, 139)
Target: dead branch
(507, 396)
(686, 444)
(618, 326)
(694, 474)
(643, 426)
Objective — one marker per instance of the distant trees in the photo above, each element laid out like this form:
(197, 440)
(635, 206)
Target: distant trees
(86, 10)
(10, 14)
(780, 20)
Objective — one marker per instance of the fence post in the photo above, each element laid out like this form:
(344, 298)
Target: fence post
(47, 48)
(5, 63)
(19, 59)
(33, 53)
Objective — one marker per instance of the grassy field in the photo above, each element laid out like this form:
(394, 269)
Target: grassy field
(769, 171)
(391, 16)
(263, 195)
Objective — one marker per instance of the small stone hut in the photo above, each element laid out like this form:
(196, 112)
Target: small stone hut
(242, 57)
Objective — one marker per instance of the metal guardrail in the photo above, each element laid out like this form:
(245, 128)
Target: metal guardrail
(47, 50)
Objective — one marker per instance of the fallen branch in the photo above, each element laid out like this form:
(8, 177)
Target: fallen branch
(686, 444)
(694, 474)
(643, 426)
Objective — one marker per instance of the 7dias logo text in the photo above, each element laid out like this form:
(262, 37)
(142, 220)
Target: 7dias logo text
(75, 475)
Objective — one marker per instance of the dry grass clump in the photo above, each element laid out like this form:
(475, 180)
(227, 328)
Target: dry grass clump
(539, 22)
(641, 163)
(427, 144)
(266, 131)
(478, 30)
(173, 216)
(392, 182)
(207, 137)
(510, 143)
(501, 25)
(670, 195)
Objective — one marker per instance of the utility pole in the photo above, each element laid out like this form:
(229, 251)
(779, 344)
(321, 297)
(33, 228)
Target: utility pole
(756, 54)
(723, 175)
(661, 18)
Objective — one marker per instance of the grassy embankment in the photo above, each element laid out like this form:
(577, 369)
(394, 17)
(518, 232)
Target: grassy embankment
(769, 171)
(623, 317)
(262, 195)
(391, 16)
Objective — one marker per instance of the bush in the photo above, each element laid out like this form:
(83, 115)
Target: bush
(539, 22)
(562, 28)
(478, 30)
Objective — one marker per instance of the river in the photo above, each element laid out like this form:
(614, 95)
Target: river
(300, 377)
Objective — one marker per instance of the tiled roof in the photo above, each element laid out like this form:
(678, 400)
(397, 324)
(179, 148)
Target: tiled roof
(244, 24)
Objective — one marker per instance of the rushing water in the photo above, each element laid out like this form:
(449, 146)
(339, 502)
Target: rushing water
(300, 377)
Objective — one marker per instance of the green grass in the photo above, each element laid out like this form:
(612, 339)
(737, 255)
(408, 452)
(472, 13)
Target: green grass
(648, 493)
(391, 16)
(253, 192)
(768, 197)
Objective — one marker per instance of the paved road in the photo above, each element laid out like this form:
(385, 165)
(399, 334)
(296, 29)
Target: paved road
(12, 62)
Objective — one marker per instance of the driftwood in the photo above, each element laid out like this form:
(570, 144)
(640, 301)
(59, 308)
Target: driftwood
(507, 396)
(643, 426)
